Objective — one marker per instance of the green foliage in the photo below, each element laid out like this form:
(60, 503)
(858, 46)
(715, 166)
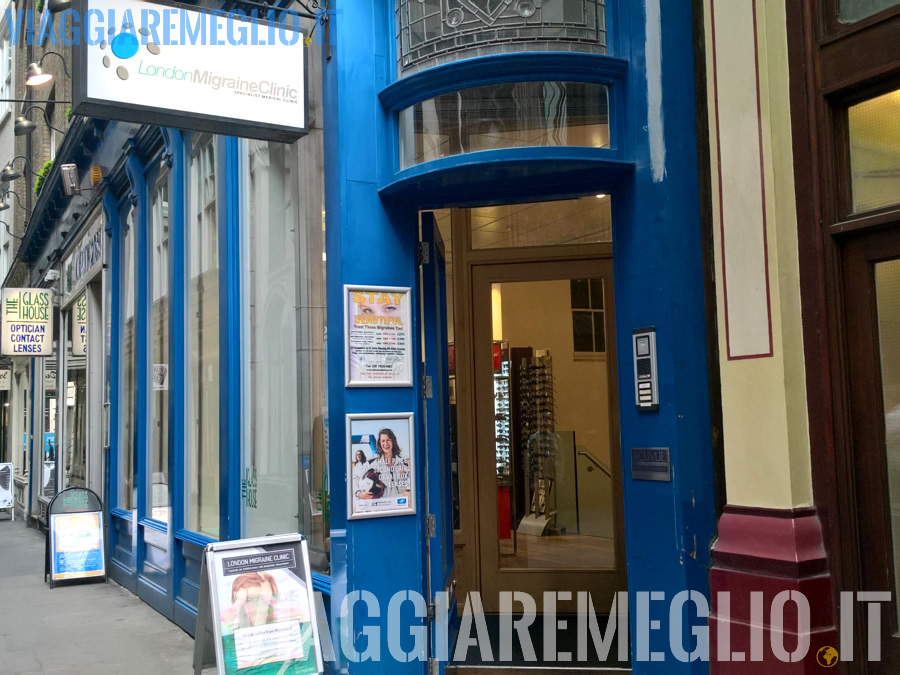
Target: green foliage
(69, 114)
(42, 176)
(40, 5)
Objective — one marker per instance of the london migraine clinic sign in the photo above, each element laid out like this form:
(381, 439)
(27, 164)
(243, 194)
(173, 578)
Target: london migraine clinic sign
(27, 322)
(171, 65)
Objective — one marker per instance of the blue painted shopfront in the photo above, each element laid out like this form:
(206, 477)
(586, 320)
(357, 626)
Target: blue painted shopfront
(650, 168)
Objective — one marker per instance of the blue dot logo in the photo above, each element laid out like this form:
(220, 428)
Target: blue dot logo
(125, 45)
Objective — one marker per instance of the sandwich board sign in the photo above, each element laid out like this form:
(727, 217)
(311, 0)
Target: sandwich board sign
(75, 547)
(257, 609)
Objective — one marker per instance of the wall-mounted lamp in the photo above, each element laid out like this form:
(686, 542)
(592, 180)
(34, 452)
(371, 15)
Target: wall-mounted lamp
(57, 6)
(9, 173)
(24, 126)
(35, 77)
(8, 231)
(5, 205)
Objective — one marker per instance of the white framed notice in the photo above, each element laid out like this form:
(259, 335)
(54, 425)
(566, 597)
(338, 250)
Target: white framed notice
(381, 465)
(378, 336)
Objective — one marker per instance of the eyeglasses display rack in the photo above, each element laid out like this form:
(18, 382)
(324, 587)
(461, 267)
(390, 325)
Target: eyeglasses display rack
(537, 427)
(502, 419)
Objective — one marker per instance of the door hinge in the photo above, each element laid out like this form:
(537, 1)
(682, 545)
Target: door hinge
(430, 526)
(427, 386)
(424, 253)
(434, 667)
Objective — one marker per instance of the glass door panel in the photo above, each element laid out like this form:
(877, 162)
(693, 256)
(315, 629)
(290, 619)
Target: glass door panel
(871, 287)
(548, 429)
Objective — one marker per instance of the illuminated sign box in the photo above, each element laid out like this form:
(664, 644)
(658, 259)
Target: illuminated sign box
(174, 65)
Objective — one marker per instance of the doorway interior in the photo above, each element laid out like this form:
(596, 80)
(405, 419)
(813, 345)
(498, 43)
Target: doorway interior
(536, 480)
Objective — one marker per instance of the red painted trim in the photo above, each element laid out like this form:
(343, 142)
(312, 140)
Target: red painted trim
(769, 551)
(762, 179)
(784, 543)
(712, 16)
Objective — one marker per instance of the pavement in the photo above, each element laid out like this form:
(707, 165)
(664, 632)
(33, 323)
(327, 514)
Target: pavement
(84, 629)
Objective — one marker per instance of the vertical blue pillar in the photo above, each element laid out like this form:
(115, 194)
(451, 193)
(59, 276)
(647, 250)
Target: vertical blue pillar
(366, 244)
(659, 282)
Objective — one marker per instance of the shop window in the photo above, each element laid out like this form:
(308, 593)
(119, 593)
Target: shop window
(202, 462)
(128, 495)
(49, 442)
(588, 325)
(508, 115)
(6, 72)
(431, 32)
(570, 221)
(284, 473)
(75, 428)
(158, 185)
(852, 11)
(875, 152)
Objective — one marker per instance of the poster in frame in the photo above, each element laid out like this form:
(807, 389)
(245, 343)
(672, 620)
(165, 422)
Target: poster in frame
(378, 336)
(381, 464)
(263, 611)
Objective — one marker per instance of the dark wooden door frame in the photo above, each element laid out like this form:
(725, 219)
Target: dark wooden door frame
(821, 86)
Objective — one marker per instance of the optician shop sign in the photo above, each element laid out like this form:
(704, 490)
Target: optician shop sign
(27, 325)
(174, 65)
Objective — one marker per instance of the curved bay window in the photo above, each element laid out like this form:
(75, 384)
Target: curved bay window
(509, 115)
(431, 32)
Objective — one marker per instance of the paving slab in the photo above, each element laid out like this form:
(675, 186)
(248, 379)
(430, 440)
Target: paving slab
(86, 629)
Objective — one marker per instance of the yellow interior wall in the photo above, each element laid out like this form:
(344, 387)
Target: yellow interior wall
(539, 314)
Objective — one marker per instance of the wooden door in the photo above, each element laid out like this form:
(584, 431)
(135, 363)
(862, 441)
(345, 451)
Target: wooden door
(871, 295)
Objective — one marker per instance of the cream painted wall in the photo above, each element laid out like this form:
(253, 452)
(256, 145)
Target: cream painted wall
(538, 314)
(766, 434)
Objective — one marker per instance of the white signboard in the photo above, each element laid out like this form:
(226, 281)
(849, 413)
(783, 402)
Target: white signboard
(27, 322)
(5, 380)
(84, 262)
(378, 340)
(50, 380)
(160, 376)
(6, 486)
(381, 454)
(79, 327)
(192, 69)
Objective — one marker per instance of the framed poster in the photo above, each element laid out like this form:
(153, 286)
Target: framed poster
(77, 546)
(378, 336)
(263, 608)
(381, 460)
